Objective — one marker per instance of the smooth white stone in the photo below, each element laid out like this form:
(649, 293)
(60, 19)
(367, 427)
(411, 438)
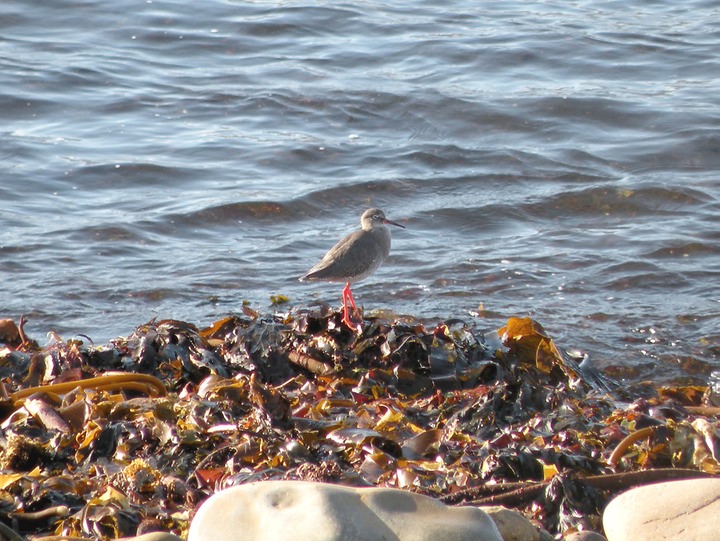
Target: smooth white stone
(304, 511)
(686, 510)
(514, 526)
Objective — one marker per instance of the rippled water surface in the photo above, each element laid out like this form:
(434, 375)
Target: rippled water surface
(173, 159)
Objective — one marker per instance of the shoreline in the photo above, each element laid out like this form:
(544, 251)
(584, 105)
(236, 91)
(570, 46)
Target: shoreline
(154, 423)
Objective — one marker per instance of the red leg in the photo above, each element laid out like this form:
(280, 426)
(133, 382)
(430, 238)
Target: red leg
(347, 320)
(348, 296)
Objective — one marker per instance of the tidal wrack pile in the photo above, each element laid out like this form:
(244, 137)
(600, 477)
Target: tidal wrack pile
(130, 437)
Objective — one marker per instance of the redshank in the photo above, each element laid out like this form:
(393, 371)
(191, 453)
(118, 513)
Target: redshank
(354, 258)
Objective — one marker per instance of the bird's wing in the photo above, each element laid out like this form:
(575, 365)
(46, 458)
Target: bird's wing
(351, 256)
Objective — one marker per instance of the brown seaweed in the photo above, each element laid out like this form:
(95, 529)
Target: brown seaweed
(126, 438)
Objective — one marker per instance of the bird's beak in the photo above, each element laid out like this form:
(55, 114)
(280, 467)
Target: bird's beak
(388, 222)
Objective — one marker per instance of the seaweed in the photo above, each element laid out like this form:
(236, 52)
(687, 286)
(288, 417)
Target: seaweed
(130, 437)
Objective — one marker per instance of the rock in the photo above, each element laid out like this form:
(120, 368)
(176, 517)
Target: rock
(153, 536)
(303, 511)
(585, 536)
(514, 526)
(678, 510)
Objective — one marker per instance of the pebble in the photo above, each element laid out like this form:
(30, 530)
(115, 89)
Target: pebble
(153, 536)
(272, 510)
(514, 526)
(585, 536)
(686, 510)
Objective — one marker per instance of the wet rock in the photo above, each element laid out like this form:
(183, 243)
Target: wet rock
(267, 511)
(678, 510)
